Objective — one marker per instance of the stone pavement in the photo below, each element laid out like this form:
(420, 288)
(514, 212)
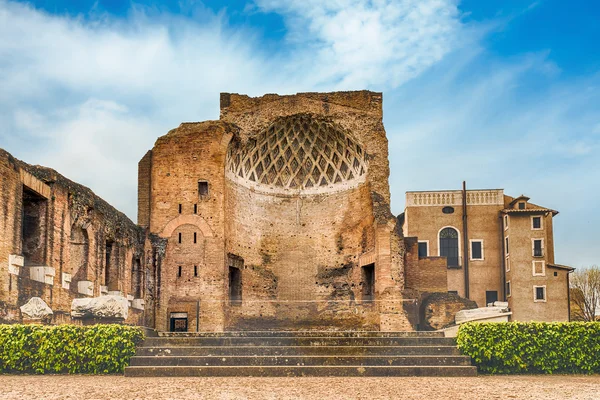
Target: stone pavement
(119, 387)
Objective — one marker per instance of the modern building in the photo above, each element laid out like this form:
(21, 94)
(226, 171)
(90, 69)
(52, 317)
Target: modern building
(498, 248)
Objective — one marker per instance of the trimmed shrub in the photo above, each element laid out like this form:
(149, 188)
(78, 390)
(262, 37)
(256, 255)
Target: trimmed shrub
(95, 349)
(532, 347)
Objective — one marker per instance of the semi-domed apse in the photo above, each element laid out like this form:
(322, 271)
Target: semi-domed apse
(298, 154)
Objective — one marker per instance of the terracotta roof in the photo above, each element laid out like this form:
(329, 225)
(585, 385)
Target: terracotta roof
(516, 199)
(561, 267)
(529, 210)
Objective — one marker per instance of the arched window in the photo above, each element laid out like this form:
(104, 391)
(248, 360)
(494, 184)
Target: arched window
(449, 246)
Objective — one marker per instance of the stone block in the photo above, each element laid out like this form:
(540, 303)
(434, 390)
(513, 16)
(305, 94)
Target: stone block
(138, 304)
(85, 287)
(66, 281)
(36, 309)
(43, 274)
(108, 306)
(15, 262)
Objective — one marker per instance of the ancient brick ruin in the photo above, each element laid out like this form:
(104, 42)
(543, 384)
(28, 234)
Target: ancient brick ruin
(274, 217)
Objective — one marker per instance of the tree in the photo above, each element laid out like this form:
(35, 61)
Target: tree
(585, 293)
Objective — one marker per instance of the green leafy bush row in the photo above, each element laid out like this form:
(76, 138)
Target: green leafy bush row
(533, 347)
(95, 349)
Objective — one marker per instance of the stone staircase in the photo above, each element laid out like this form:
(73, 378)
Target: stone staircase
(306, 353)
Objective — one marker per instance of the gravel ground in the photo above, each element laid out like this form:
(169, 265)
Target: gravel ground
(119, 387)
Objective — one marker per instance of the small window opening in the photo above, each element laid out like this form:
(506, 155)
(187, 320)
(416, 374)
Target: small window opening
(453, 292)
(508, 289)
(423, 249)
(235, 286)
(448, 210)
(195, 237)
(195, 208)
(179, 271)
(476, 250)
(506, 244)
(195, 270)
(555, 273)
(202, 189)
(537, 222)
(521, 205)
(538, 250)
(540, 293)
(180, 208)
(108, 269)
(136, 279)
(368, 278)
(491, 296)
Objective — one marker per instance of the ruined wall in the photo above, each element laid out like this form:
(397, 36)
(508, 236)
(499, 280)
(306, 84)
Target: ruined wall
(425, 274)
(306, 239)
(179, 212)
(61, 229)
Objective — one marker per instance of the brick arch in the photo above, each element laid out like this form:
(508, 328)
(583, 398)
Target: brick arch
(195, 220)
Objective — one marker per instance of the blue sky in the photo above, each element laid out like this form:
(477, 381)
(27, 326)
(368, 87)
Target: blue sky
(502, 94)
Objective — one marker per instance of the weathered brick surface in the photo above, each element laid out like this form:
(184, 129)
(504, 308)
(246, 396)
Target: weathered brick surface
(300, 252)
(71, 227)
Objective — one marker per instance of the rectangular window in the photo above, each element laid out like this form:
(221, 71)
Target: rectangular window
(195, 208)
(539, 293)
(538, 247)
(180, 208)
(536, 222)
(195, 270)
(506, 245)
(507, 265)
(505, 222)
(195, 237)
(521, 205)
(491, 296)
(476, 249)
(202, 189)
(179, 237)
(179, 271)
(423, 249)
(539, 268)
(508, 289)
(453, 292)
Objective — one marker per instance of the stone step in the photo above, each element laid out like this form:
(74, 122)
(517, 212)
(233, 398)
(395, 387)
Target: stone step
(303, 360)
(302, 334)
(296, 350)
(298, 341)
(273, 371)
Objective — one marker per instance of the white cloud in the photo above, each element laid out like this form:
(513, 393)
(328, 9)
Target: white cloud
(89, 97)
(358, 43)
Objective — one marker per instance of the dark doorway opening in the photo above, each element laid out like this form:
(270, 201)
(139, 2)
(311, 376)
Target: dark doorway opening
(34, 224)
(179, 322)
(235, 286)
(368, 280)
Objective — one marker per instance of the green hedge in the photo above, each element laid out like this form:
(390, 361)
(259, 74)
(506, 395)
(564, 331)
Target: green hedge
(95, 349)
(534, 347)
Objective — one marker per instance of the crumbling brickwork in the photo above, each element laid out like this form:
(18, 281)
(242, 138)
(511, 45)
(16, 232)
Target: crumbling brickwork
(59, 241)
(277, 216)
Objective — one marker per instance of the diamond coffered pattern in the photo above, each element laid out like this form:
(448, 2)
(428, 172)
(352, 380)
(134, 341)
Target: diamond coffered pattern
(298, 152)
